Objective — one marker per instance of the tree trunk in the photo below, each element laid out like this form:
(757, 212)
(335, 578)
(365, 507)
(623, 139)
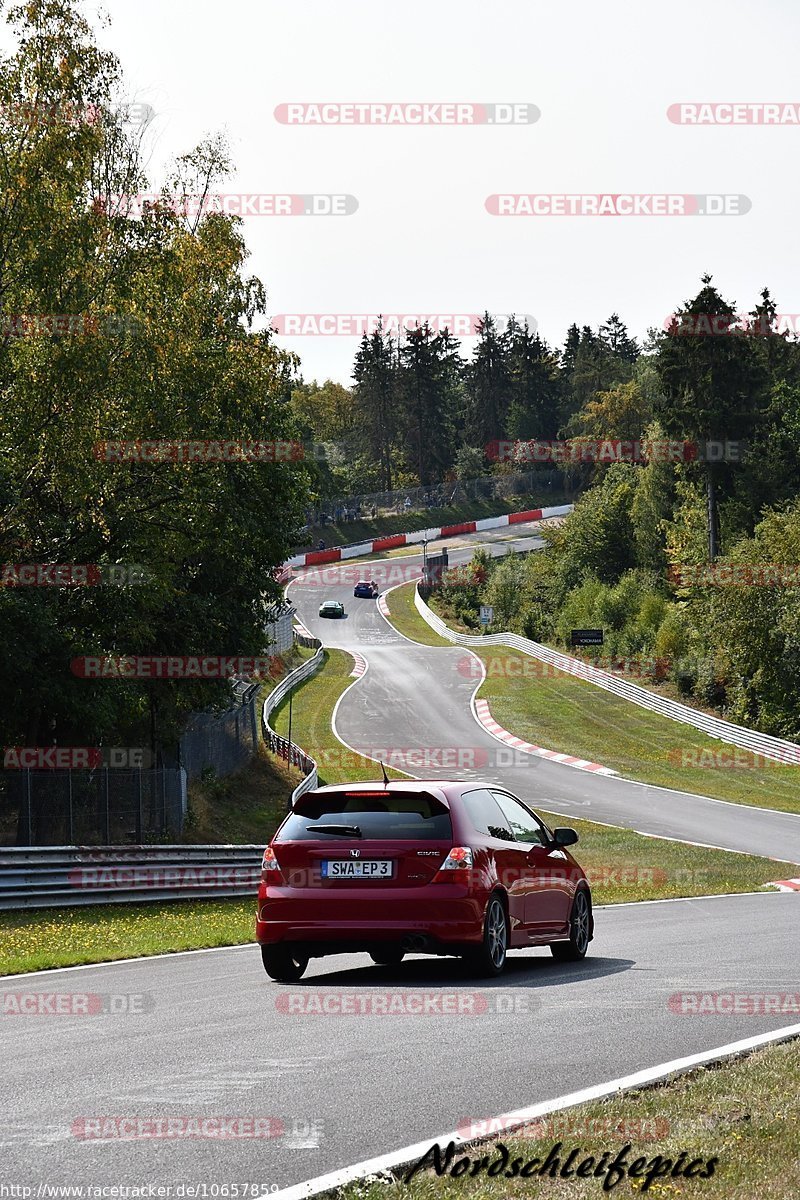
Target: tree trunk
(713, 516)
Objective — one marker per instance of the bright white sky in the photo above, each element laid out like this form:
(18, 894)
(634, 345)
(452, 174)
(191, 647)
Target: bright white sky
(602, 74)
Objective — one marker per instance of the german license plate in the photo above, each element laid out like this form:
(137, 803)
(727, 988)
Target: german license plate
(356, 868)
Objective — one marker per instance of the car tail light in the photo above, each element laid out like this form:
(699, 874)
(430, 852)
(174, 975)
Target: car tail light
(270, 870)
(459, 861)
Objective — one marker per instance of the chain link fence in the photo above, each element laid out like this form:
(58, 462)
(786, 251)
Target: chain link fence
(222, 742)
(110, 807)
(90, 808)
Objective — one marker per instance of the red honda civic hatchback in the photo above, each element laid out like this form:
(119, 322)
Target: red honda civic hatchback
(423, 867)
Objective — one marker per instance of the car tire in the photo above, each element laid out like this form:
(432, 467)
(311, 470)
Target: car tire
(490, 958)
(579, 930)
(284, 964)
(392, 956)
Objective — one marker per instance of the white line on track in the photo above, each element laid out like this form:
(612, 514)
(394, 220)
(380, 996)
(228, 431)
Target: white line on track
(338, 736)
(521, 1116)
(383, 597)
(143, 958)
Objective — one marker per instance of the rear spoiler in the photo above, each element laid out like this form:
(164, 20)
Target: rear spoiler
(376, 792)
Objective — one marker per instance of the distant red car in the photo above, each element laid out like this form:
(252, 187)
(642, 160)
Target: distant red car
(425, 867)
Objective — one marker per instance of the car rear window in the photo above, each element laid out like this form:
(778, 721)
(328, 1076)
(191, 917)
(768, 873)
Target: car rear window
(398, 816)
(486, 816)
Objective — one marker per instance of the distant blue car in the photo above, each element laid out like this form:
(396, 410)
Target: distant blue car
(366, 589)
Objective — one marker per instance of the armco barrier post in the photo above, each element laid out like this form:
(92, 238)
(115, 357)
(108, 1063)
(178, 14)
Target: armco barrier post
(29, 813)
(183, 779)
(70, 831)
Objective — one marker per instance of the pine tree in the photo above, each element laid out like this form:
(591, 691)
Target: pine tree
(535, 389)
(488, 385)
(375, 397)
(713, 384)
(614, 335)
(429, 376)
(570, 351)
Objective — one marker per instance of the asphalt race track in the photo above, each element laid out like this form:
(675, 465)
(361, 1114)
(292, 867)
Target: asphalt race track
(216, 1039)
(418, 698)
(221, 1041)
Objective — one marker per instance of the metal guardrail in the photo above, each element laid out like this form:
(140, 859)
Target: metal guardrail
(776, 749)
(47, 877)
(35, 877)
(294, 755)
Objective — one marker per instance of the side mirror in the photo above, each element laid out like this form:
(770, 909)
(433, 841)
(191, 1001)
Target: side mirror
(565, 837)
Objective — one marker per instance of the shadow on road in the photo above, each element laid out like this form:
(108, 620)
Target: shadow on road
(522, 971)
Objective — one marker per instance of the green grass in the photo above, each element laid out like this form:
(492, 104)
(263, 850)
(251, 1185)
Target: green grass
(572, 716)
(312, 707)
(407, 620)
(434, 518)
(621, 865)
(624, 866)
(561, 712)
(34, 941)
(744, 1113)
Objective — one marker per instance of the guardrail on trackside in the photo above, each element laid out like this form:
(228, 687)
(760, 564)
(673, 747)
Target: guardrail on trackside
(34, 877)
(293, 754)
(41, 877)
(776, 749)
(393, 541)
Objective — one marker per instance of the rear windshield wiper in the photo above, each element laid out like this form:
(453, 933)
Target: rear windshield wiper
(342, 830)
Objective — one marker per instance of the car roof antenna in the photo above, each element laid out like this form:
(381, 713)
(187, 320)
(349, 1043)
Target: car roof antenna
(385, 776)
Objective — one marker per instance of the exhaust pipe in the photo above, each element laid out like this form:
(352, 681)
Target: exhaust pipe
(414, 942)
